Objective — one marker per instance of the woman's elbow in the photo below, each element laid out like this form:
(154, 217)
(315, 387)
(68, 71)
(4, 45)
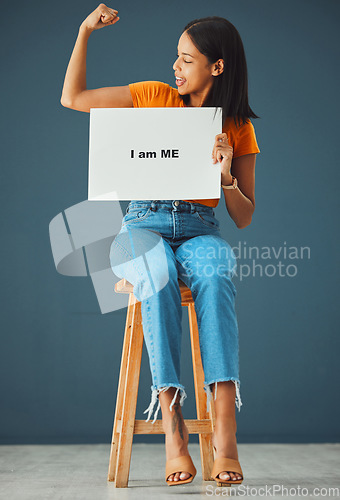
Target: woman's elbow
(65, 103)
(243, 224)
(247, 221)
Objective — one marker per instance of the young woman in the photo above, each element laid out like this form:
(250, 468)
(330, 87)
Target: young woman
(210, 70)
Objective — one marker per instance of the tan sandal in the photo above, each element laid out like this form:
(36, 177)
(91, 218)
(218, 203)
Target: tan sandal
(226, 465)
(180, 464)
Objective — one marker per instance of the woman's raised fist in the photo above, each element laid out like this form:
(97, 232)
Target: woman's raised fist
(102, 16)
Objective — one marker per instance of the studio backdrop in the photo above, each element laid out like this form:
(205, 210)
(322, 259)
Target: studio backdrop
(60, 354)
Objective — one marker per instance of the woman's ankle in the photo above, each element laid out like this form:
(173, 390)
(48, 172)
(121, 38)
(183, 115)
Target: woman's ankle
(173, 421)
(226, 423)
(166, 400)
(176, 438)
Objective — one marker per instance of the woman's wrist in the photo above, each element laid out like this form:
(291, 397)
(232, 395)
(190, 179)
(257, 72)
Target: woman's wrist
(226, 180)
(85, 29)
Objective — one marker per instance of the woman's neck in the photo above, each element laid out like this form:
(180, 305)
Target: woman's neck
(197, 100)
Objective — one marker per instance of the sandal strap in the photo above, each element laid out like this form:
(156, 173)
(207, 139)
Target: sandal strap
(225, 464)
(180, 464)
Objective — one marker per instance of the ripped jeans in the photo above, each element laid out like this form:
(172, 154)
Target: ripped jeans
(159, 242)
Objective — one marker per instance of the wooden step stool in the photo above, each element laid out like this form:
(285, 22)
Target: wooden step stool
(125, 425)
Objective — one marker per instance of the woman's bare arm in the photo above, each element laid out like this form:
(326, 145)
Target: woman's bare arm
(75, 95)
(240, 202)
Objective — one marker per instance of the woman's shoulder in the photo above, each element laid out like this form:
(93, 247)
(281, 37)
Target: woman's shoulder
(238, 127)
(150, 86)
(153, 94)
(242, 136)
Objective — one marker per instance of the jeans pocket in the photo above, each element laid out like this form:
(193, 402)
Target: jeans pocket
(207, 219)
(135, 215)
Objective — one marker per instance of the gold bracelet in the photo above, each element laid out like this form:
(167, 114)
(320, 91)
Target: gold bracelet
(233, 185)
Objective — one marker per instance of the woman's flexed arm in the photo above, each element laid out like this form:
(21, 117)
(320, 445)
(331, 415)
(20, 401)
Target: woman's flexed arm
(74, 94)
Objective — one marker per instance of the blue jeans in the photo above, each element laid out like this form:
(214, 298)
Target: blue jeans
(159, 242)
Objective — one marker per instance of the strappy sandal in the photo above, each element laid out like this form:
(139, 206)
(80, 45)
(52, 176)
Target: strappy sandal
(180, 464)
(224, 465)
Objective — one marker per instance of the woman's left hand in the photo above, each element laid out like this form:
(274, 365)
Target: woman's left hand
(223, 153)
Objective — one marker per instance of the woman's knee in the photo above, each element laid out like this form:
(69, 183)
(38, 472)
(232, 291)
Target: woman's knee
(143, 259)
(207, 257)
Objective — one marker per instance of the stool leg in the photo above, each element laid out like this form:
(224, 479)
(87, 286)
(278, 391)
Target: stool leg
(127, 396)
(130, 399)
(206, 448)
(121, 386)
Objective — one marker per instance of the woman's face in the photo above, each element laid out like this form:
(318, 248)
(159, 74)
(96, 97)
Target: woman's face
(193, 72)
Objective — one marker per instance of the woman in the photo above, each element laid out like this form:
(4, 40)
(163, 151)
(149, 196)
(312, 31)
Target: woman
(210, 70)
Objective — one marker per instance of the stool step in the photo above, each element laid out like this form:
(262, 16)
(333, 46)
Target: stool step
(195, 426)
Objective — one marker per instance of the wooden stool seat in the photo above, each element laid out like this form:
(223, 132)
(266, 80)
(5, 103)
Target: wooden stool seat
(125, 425)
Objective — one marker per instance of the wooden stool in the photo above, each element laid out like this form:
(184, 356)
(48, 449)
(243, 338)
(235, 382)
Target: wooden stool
(125, 425)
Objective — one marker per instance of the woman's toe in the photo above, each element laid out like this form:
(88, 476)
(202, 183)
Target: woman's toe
(235, 476)
(179, 476)
(224, 475)
(184, 475)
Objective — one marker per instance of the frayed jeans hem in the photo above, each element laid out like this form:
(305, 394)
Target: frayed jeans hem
(154, 397)
(236, 381)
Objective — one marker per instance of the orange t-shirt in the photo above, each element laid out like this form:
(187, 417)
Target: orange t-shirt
(161, 95)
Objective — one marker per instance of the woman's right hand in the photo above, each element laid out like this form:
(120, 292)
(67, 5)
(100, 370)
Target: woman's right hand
(102, 16)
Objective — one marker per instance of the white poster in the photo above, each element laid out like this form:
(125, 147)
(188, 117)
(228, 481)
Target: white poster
(153, 153)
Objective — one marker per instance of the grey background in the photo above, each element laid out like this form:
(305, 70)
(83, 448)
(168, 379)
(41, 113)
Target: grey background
(60, 356)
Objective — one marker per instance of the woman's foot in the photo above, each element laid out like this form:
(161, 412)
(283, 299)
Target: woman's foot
(176, 432)
(224, 436)
(224, 441)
